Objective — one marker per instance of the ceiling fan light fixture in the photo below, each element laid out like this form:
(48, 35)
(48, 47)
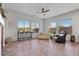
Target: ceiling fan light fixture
(44, 10)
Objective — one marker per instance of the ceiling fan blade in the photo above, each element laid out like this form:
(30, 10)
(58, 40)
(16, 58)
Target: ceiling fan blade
(47, 10)
(42, 10)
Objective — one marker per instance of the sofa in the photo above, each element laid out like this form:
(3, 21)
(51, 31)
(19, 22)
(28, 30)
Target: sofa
(43, 36)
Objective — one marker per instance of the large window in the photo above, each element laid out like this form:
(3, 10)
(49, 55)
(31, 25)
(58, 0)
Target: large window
(65, 25)
(35, 26)
(52, 27)
(61, 25)
(25, 25)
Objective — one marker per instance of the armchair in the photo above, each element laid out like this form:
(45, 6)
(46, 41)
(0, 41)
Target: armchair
(61, 39)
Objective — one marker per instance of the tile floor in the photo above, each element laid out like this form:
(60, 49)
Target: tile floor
(37, 47)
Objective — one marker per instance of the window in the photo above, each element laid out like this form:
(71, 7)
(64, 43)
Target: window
(27, 26)
(65, 25)
(23, 25)
(52, 27)
(20, 24)
(61, 25)
(35, 26)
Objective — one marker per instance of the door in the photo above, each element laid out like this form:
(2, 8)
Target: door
(1, 38)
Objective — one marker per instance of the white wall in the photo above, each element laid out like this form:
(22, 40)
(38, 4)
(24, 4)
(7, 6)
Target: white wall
(75, 22)
(12, 17)
(11, 23)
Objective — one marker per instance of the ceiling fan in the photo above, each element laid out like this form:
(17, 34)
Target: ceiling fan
(43, 11)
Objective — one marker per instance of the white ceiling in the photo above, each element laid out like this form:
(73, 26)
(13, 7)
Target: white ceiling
(32, 8)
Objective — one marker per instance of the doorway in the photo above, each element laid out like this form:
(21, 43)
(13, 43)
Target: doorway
(1, 37)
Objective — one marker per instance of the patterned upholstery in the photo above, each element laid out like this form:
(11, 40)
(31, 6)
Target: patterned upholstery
(43, 36)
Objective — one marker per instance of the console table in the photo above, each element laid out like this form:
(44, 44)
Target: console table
(24, 35)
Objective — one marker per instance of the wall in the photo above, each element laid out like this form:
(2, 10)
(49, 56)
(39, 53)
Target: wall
(12, 17)
(11, 23)
(75, 21)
